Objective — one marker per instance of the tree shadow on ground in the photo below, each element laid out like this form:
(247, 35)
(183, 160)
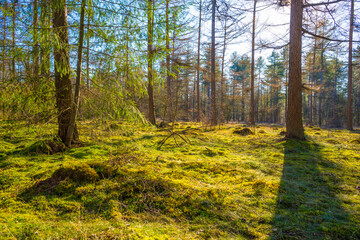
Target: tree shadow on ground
(307, 205)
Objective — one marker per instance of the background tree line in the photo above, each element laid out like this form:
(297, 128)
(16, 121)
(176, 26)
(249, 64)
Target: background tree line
(173, 60)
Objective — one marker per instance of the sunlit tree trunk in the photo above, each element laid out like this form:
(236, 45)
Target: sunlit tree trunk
(252, 80)
(150, 87)
(198, 67)
(64, 98)
(294, 125)
(213, 119)
(13, 68)
(168, 75)
(349, 88)
(75, 106)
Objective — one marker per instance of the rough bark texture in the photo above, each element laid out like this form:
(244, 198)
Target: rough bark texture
(150, 87)
(349, 89)
(75, 107)
(198, 68)
(252, 96)
(213, 82)
(64, 98)
(294, 125)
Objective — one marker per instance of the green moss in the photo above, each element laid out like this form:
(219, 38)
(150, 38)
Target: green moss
(222, 186)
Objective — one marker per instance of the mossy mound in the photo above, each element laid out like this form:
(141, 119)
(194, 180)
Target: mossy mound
(61, 180)
(243, 131)
(355, 141)
(332, 141)
(46, 147)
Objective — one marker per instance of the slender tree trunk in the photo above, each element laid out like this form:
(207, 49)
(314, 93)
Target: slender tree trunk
(349, 88)
(198, 67)
(4, 41)
(168, 75)
(36, 42)
(13, 68)
(222, 75)
(45, 21)
(64, 98)
(88, 52)
(294, 125)
(213, 66)
(321, 81)
(150, 87)
(252, 87)
(70, 130)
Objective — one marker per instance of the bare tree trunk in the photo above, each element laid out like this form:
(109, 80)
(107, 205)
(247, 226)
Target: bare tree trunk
(88, 52)
(349, 88)
(4, 41)
(168, 75)
(252, 87)
(294, 125)
(198, 68)
(70, 130)
(36, 42)
(150, 87)
(213, 82)
(13, 69)
(45, 21)
(321, 81)
(64, 98)
(222, 76)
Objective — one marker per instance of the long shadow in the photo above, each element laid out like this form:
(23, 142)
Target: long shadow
(307, 205)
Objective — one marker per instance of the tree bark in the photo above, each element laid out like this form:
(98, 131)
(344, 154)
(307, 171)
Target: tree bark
(168, 75)
(213, 82)
(252, 87)
(64, 98)
(198, 68)
(4, 42)
(294, 125)
(349, 88)
(70, 130)
(13, 68)
(36, 42)
(150, 87)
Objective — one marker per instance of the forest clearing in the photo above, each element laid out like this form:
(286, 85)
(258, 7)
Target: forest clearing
(177, 119)
(121, 185)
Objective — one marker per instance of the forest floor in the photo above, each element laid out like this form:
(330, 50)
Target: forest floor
(208, 184)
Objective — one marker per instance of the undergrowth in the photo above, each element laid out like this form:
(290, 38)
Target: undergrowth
(221, 184)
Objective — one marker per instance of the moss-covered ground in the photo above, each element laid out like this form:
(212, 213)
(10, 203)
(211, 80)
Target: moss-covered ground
(121, 183)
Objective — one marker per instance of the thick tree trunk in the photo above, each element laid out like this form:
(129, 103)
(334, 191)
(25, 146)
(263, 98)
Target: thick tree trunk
(75, 106)
(198, 67)
(252, 87)
(64, 98)
(349, 89)
(150, 87)
(213, 82)
(294, 125)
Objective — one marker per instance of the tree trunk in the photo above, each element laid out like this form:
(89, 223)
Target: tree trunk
(70, 130)
(36, 42)
(64, 98)
(294, 125)
(168, 75)
(198, 68)
(252, 87)
(13, 69)
(222, 75)
(4, 41)
(150, 87)
(88, 52)
(45, 21)
(213, 83)
(349, 88)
